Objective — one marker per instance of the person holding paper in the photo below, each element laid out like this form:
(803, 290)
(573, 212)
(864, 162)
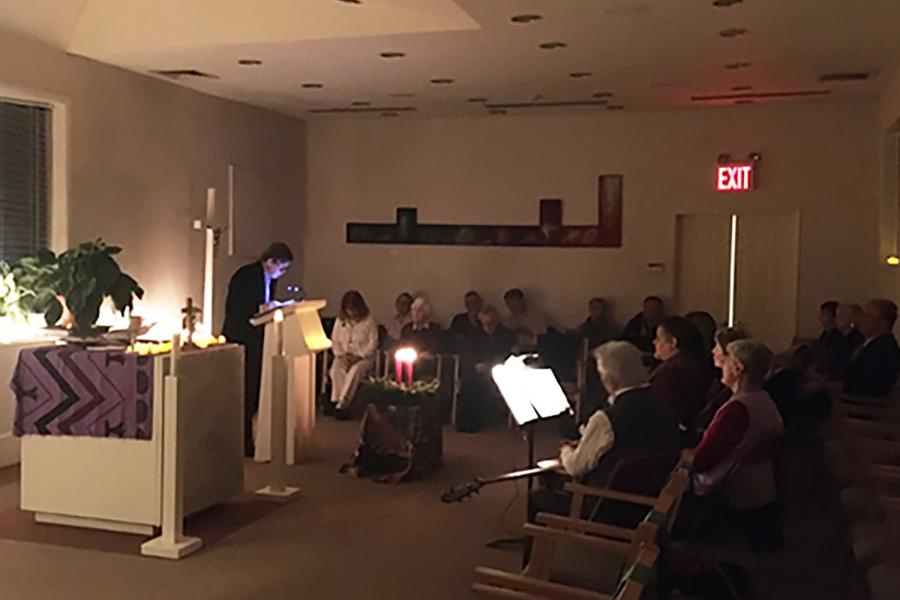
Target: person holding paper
(635, 424)
(251, 290)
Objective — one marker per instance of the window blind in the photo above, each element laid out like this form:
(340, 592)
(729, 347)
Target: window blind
(24, 178)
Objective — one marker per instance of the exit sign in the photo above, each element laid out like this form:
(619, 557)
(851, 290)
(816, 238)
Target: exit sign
(735, 178)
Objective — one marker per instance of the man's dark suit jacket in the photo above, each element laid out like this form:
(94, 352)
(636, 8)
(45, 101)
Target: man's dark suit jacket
(874, 368)
(246, 291)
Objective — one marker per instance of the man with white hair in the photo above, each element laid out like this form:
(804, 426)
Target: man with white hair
(422, 333)
(635, 424)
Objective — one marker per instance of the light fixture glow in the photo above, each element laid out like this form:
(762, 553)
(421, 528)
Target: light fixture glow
(893, 260)
(732, 270)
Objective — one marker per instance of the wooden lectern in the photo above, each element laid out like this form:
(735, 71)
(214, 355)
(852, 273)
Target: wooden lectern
(302, 337)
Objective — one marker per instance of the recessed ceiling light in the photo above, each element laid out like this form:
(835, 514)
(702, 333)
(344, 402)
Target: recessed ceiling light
(312, 86)
(579, 74)
(250, 62)
(525, 18)
(726, 3)
(442, 81)
(738, 65)
(552, 45)
(741, 88)
(360, 103)
(733, 32)
(475, 100)
(402, 95)
(392, 54)
(615, 107)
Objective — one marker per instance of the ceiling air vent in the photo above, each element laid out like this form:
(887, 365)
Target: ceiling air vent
(556, 104)
(363, 109)
(759, 95)
(183, 73)
(845, 76)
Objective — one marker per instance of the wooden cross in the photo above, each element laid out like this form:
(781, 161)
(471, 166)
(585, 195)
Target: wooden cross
(191, 313)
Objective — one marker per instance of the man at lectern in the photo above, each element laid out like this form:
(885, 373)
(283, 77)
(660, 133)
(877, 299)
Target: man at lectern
(250, 290)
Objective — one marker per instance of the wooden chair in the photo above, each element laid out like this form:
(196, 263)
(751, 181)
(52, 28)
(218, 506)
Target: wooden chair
(659, 520)
(493, 583)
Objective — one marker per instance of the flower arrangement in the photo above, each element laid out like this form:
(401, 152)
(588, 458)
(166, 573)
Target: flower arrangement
(383, 390)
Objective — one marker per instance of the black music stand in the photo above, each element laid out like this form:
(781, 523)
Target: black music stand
(532, 395)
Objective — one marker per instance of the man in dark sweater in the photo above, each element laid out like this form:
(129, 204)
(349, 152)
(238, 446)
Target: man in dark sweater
(874, 366)
(251, 288)
(641, 329)
(635, 425)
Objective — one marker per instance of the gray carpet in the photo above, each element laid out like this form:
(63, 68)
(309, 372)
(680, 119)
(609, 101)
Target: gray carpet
(349, 538)
(345, 538)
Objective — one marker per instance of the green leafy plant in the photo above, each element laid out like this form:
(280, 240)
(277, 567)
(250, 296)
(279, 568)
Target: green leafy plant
(34, 282)
(85, 275)
(387, 391)
(10, 294)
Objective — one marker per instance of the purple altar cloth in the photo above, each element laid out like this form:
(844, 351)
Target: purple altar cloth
(66, 390)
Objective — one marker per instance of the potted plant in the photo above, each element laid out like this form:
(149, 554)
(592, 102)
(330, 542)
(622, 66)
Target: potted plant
(84, 276)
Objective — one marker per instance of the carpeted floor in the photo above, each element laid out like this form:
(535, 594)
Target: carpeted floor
(345, 538)
(353, 539)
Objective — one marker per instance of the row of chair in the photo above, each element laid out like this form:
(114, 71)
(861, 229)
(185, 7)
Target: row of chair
(576, 558)
(862, 448)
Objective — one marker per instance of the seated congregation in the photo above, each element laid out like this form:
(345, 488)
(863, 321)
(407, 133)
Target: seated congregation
(676, 414)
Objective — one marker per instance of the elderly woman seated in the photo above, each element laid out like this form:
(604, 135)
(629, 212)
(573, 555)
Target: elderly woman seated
(634, 425)
(354, 342)
(735, 455)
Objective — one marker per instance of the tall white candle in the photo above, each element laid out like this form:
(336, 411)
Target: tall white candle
(279, 332)
(176, 353)
(210, 206)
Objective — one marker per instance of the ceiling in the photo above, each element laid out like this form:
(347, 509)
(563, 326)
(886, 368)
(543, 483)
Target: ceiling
(467, 57)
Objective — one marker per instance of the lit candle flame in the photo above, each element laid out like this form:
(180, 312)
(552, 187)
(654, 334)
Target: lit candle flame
(406, 355)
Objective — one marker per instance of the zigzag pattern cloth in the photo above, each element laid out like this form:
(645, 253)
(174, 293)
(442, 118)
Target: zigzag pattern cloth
(65, 390)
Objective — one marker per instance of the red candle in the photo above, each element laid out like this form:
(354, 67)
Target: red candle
(398, 369)
(409, 372)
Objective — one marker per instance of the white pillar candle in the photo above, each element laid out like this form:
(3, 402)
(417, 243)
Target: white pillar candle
(210, 206)
(176, 353)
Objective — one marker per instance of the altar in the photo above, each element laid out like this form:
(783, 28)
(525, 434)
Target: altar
(9, 352)
(99, 430)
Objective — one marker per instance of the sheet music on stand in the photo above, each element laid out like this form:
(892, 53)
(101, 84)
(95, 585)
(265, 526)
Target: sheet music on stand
(532, 394)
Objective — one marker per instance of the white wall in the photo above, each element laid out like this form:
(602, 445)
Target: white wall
(818, 160)
(142, 153)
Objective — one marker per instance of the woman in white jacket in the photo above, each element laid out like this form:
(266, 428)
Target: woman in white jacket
(354, 343)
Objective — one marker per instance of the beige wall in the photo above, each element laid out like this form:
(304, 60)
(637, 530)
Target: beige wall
(142, 153)
(818, 160)
(889, 118)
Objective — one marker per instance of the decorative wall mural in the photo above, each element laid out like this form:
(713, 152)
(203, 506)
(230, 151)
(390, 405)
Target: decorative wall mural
(549, 232)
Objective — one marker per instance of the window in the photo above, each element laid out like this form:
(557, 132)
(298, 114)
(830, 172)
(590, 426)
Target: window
(25, 178)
